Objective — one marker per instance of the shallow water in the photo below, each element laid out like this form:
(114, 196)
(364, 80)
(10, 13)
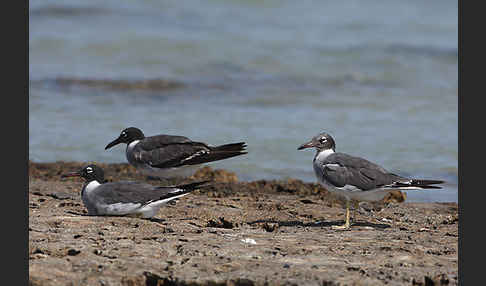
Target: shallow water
(381, 77)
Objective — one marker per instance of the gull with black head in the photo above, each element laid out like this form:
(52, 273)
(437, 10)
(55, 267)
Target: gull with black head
(126, 198)
(354, 177)
(168, 156)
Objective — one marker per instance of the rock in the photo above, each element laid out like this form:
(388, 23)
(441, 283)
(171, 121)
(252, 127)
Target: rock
(220, 176)
(73, 252)
(121, 85)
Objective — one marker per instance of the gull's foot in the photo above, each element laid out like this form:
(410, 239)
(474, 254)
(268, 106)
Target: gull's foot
(347, 223)
(154, 219)
(342, 227)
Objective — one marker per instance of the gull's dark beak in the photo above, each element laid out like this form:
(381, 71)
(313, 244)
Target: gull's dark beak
(72, 174)
(113, 143)
(306, 145)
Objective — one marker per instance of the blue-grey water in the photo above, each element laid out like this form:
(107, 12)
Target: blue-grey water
(380, 76)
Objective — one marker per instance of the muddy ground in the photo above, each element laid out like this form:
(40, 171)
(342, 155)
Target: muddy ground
(236, 233)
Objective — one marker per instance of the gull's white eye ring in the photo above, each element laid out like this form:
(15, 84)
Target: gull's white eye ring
(89, 170)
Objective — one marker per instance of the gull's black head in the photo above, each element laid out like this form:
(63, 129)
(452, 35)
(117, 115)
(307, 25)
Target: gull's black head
(89, 173)
(322, 141)
(127, 136)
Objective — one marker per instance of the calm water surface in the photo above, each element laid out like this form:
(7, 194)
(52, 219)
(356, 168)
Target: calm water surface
(380, 76)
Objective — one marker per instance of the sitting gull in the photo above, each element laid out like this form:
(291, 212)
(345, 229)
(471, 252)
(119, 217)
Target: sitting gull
(167, 156)
(126, 198)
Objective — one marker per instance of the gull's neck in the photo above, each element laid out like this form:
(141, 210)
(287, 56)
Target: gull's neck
(90, 187)
(132, 145)
(322, 155)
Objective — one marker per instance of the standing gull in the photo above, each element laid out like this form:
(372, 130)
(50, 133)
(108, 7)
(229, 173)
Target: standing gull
(126, 197)
(169, 155)
(356, 178)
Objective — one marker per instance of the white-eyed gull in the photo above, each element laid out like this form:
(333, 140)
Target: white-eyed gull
(356, 178)
(167, 156)
(126, 198)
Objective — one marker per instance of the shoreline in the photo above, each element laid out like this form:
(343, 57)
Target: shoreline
(236, 233)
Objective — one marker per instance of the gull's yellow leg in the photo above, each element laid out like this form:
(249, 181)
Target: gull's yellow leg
(346, 224)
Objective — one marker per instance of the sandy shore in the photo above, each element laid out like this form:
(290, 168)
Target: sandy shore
(236, 233)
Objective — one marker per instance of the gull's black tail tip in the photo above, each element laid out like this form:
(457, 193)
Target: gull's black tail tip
(232, 147)
(426, 184)
(418, 184)
(219, 153)
(186, 188)
(194, 185)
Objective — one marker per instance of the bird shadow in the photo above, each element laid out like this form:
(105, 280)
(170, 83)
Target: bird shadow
(76, 213)
(157, 220)
(153, 219)
(322, 223)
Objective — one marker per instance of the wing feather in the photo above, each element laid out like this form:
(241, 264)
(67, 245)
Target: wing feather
(166, 151)
(130, 192)
(341, 169)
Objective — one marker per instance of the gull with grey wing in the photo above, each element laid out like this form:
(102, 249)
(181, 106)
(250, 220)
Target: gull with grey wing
(126, 198)
(168, 156)
(354, 177)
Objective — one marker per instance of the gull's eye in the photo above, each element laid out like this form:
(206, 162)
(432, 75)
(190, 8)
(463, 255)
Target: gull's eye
(124, 134)
(323, 140)
(89, 170)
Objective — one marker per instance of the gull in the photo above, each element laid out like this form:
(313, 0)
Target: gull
(167, 156)
(126, 198)
(354, 177)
